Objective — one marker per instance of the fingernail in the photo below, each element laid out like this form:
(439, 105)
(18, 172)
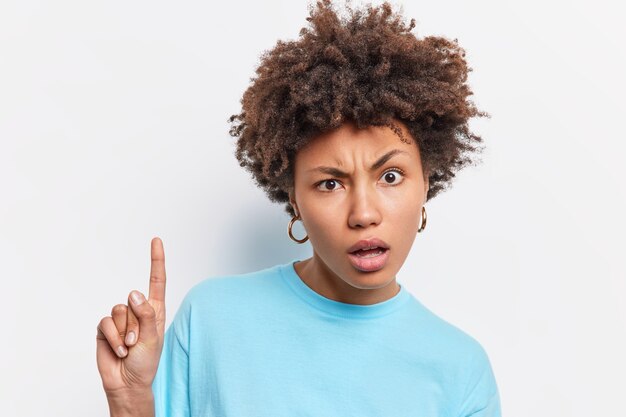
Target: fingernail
(136, 297)
(130, 338)
(121, 351)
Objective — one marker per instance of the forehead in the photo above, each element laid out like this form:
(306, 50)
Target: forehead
(348, 142)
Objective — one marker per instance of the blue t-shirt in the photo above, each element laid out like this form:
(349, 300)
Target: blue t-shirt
(265, 344)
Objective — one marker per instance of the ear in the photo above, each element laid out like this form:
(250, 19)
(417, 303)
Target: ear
(292, 201)
(426, 187)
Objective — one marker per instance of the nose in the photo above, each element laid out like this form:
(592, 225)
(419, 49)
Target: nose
(364, 208)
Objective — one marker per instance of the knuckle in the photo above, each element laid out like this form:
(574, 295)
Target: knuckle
(108, 329)
(147, 311)
(103, 322)
(119, 309)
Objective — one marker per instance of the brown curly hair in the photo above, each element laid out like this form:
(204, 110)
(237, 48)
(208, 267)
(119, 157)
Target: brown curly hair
(367, 68)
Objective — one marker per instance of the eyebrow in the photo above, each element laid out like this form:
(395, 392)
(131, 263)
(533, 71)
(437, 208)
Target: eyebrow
(336, 172)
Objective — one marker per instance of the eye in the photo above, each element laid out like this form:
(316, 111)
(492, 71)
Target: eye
(329, 183)
(389, 175)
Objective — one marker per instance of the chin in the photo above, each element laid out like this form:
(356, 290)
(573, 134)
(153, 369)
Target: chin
(371, 280)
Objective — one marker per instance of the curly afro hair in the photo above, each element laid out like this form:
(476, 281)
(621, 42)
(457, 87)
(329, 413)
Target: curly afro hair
(367, 68)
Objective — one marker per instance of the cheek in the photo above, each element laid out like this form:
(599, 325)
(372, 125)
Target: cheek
(405, 220)
(323, 223)
(405, 215)
(405, 205)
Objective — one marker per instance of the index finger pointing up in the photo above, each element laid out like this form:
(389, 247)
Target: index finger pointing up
(157, 271)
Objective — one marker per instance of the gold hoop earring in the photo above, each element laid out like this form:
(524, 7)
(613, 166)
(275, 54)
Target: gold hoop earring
(293, 220)
(423, 225)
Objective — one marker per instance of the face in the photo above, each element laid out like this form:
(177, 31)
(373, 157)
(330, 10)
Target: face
(373, 186)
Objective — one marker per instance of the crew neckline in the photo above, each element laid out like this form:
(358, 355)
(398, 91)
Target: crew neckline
(338, 308)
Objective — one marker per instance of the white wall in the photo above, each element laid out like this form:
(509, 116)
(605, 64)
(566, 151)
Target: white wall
(113, 130)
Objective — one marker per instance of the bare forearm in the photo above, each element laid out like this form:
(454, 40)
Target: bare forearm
(131, 404)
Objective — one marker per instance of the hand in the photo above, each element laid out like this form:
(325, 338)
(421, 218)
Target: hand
(125, 364)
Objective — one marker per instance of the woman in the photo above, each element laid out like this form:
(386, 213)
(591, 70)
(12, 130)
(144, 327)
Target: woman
(353, 127)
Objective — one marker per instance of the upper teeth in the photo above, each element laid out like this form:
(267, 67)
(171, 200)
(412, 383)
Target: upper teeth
(372, 247)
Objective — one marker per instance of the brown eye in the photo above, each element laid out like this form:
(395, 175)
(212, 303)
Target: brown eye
(391, 175)
(330, 184)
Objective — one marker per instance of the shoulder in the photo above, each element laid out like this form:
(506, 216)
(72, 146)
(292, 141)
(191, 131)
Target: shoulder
(447, 338)
(224, 285)
(225, 300)
(233, 291)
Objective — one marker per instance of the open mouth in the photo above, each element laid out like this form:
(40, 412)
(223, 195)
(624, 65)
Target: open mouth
(369, 253)
(369, 260)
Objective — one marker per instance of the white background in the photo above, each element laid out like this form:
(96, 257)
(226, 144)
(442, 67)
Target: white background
(113, 130)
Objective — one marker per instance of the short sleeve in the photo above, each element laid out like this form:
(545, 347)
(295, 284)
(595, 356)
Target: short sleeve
(171, 382)
(482, 398)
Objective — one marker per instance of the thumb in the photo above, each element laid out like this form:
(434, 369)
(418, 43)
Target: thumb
(147, 318)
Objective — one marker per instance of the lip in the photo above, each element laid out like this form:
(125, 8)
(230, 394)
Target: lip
(369, 264)
(367, 243)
